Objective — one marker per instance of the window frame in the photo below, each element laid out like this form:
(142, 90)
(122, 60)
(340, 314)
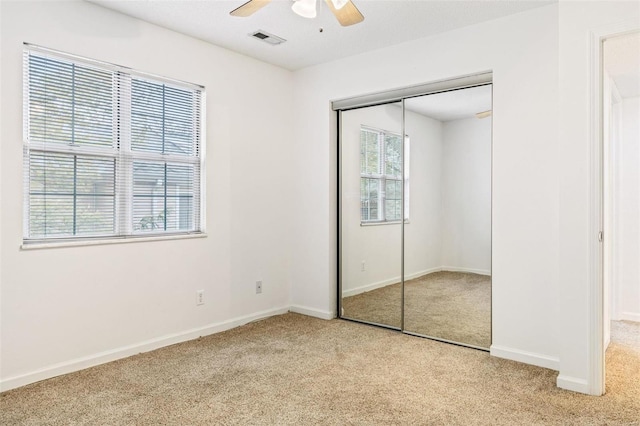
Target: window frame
(382, 178)
(121, 153)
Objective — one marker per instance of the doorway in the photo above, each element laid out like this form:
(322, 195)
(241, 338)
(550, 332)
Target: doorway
(621, 208)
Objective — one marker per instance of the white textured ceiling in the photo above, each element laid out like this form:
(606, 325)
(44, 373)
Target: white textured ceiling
(453, 105)
(622, 62)
(386, 23)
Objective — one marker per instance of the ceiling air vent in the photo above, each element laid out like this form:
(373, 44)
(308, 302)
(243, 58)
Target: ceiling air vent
(267, 38)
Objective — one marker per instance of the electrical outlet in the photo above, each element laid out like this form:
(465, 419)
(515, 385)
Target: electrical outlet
(200, 297)
(258, 287)
(362, 266)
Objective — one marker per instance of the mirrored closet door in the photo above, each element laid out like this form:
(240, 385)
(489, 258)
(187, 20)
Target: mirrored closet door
(415, 212)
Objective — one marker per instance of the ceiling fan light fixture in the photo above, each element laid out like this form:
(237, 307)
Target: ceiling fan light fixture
(339, 4)
(344, 10)
(305, 8)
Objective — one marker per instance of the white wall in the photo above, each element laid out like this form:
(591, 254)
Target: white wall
(379, 246)
(66, 308)
(523, 54)
(626, 250)
(466, 195)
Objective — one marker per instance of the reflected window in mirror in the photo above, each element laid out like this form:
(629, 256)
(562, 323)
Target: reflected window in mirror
(381, 176)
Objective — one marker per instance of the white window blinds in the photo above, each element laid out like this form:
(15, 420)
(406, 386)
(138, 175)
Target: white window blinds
(109, 152)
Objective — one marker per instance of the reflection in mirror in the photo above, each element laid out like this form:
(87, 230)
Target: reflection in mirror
(447, 243)
(370, 212)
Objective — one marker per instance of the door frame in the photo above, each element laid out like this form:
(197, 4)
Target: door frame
(596, 208)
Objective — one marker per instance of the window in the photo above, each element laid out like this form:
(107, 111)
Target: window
(109, 152)
(381, 176)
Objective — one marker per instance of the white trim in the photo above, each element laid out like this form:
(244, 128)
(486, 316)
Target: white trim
(595, 384)
(126, 351)
(370, 287)
(383, 222)
(312, 312)
(540, 360)
(107, 241)
(384, 283)
(630, 316)
(395, 280)
(467, 270)
(573, 384)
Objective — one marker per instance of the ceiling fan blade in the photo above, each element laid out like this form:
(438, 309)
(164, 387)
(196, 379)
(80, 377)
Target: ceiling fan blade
(347, 14)
(249, 8)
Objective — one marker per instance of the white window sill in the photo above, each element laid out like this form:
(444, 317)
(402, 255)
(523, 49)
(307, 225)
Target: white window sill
(393, 222)
(107, 241)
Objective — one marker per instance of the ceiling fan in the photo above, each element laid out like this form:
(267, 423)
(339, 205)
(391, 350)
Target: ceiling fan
(344, 10)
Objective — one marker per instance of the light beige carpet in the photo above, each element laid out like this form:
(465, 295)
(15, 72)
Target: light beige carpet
(297, 370)
(454, 306)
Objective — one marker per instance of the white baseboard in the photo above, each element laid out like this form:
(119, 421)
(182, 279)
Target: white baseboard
(630, 316)
(394, 280)
(312, 312)
(384, 283)
(572, 384)
(370, 287)
(126, 351)
(540, 360)
(421, 273)
(468, 270)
